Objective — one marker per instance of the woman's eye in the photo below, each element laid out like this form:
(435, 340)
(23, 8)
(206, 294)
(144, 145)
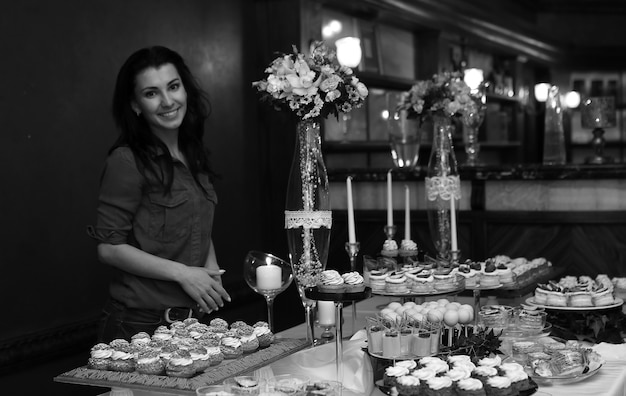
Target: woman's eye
(150, 94)
(174, 87)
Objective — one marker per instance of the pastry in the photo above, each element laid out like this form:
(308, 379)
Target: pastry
(353, 281)
(602, 297)
(140, 339)
(390, 248)
(470, 387)
(167, 351)
(219, 325)
(396, 283)
(100, 357)
(215, 355)
(422, 282)
(489, 279)
(243, 385)
(445, 282)
(331, 282)
(541, 295)
(201, 358)
(231, 347)
(469, 274)
(122, 358)
(149, 362)
(264, 335)
(556, 299)
(249, 342)
(377, 280)
(505, 275)
(180, 365)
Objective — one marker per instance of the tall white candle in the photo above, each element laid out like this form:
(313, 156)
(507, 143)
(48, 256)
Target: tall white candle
(269, 277)
(389, 201)
(326, 312)
(407, 214)
(453, 224)
(351, 232)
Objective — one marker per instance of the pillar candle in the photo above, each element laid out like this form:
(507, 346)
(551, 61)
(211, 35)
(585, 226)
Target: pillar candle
(389, 201)
(326, 312)
(454, 246)
(351, 232)
(269, 277)
(407, 214)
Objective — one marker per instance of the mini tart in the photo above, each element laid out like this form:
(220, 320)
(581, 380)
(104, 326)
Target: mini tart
(377, 280)
(541, 296)
(489, 279)
(331, 282)
(556, 299)
(604, 297)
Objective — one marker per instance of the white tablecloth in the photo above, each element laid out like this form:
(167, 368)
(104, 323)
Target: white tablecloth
(319, 362)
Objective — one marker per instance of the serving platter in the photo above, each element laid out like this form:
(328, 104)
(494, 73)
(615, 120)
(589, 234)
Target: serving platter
(562, 380)
(413, 294)
(618, 303)
(387, 390)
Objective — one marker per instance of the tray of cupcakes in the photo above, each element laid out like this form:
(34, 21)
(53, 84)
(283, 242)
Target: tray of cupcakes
(573, 293)
(182, 356)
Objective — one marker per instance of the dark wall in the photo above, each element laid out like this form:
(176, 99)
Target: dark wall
(58, 65)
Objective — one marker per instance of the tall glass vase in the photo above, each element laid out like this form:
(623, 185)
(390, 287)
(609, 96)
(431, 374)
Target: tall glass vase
(443, 191)
(308, 218)
(472, 120)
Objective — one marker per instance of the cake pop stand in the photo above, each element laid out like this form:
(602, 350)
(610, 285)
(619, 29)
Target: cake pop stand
(339, 299)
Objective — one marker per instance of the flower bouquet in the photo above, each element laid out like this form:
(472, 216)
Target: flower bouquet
(311, 86)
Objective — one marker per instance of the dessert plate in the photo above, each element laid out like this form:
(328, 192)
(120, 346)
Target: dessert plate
(567, 379)
(618, 303)
(414, 294)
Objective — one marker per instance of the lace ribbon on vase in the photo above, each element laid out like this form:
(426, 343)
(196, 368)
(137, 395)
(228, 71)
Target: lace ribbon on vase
(308, 219)
(443, 187)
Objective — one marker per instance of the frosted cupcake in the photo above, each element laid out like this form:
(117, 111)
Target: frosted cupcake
(408, 385)
(470, 387)
(331, 282)
(500, 386)
(439, 386)
(408, 247)
(354, 282)
(390, 248)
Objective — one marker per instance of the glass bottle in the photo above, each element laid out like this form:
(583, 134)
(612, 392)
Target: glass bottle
(443, 191)
(554, 136)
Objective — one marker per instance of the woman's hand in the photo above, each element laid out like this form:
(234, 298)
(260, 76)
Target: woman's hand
(204, 286)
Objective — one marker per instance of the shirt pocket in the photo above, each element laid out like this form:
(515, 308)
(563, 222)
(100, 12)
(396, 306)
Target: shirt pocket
(170, 215)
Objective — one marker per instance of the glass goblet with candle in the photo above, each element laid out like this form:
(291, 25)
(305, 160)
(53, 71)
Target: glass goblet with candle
(267, 275)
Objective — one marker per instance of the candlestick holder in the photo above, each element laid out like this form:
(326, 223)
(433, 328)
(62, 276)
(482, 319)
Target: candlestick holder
(390, 231)
(327, 333)
(455, 256)
(353, 251)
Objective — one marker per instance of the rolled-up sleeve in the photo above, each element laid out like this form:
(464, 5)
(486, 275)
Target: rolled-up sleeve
(120, 195)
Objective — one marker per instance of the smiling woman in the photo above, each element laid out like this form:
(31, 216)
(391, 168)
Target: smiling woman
(157, 202)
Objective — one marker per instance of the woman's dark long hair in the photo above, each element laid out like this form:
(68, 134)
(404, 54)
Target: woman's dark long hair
(134, 130)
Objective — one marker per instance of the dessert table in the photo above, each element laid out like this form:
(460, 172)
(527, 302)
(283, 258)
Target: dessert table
(319, 362)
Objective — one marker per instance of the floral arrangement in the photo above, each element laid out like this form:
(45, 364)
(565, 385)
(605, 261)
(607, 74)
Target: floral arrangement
(311, 86)
(445, 94)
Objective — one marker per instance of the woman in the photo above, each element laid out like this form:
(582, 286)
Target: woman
(156, 201)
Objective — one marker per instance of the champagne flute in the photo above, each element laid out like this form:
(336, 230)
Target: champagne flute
(267, 275)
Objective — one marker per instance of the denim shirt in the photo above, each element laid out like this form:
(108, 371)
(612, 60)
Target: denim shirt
(133, 209)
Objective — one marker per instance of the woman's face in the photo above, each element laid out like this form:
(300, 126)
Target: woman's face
(161, 98)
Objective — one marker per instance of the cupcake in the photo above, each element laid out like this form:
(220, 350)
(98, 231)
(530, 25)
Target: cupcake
(439, 386)
(396, 283)
(409, 364)
(499, 386)
(377, 281)
(484, 372)
(519, 380)
(458, 373)
(408, 247)
(470, 387)
(353, 281)
(408, 385)
(264, 335)
(149, 362)
(490, 361)
(392, 373)
(180, 365)
(201, 358)
(100, 357)
(331, 282)
(390, 248)
(231, 347)
(122, 358)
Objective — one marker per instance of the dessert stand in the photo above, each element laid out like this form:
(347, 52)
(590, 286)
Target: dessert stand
(420, 297)
(476, 294)
(339, 299)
